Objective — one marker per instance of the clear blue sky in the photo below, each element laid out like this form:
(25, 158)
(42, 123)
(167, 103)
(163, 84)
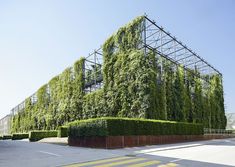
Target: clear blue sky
(39, 39)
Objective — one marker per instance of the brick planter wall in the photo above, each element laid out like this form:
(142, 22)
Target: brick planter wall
(111, 142)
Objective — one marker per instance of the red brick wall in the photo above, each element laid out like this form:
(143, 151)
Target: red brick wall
(132, 141)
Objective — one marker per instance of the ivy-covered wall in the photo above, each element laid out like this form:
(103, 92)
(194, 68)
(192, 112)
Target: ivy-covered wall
(135, 85)
(58, 102)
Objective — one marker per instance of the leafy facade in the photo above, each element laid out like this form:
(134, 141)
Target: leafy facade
(135, 85)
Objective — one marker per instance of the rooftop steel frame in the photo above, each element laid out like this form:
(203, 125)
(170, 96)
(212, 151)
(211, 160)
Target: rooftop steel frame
(157, 39)
(153, 38)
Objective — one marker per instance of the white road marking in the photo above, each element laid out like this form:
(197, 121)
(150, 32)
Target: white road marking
(168, 148)
(49, 153)
(176, 160)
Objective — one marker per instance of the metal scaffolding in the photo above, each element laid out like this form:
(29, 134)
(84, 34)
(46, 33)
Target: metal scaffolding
(153, 38)
(156, 39)
(93, 71)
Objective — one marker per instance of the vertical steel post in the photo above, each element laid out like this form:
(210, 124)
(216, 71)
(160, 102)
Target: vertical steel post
(95, 68)
(145, 49)
(161, 52)
(83, 75)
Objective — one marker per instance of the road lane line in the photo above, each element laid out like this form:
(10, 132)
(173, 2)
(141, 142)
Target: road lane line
(45, 152)
(122, 162)
(168, 148)
(98, 162)
(145, 164)
(176, 160)
(168, 165)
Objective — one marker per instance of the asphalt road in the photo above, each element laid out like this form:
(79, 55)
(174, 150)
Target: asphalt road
(213, 153)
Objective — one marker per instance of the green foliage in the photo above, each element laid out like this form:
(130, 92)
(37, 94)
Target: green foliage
(197, 101)
(0, 137)
(129, 75)
(40, 134)
(170, 98)
(136, 85)
(132, 89)
(6, 137)
(19, 136)
(91, 127)
(179, 94)
(76, 101)
(160, 91)
(94, 105)
(218, 119)
(128, 126)
(188, 106)
(58, 102)
(63, 131)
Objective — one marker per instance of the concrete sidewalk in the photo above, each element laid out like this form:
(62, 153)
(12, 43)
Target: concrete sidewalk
(55, 140)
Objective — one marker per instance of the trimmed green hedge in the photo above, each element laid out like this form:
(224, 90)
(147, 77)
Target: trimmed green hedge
(0, 137)
(63, 131)
(19, 136)
(6, 137)
(38, 135)
(127, 126)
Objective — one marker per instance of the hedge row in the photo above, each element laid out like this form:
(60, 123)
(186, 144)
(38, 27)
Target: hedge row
(19, 136)
(38, 135)
(127, 126)
(6, 137)
(63, 131)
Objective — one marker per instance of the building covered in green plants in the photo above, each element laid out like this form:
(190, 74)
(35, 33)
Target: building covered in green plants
(140, 71)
